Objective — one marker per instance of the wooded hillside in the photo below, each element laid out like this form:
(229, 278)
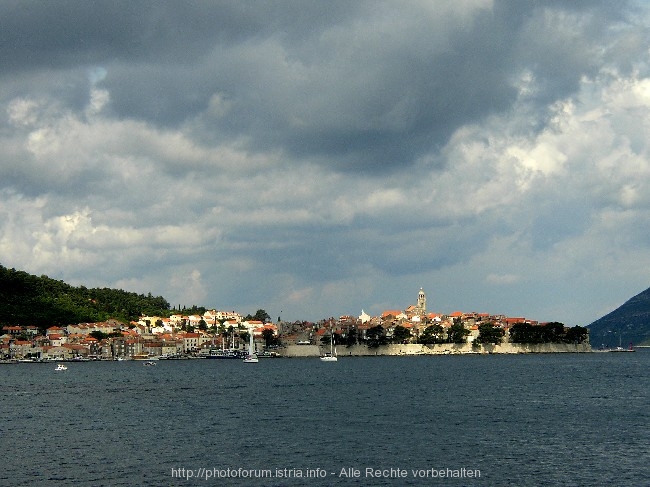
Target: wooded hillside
(26, 299)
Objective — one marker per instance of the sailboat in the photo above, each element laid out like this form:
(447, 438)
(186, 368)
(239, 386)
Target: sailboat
(620, 345)
(251, 358)
(331, 355)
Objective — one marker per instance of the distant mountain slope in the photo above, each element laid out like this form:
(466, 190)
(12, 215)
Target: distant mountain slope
(630, 323)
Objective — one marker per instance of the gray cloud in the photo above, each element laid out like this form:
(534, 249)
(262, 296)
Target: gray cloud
(321, 157)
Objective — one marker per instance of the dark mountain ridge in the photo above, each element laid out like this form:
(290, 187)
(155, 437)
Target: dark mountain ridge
(629, 323)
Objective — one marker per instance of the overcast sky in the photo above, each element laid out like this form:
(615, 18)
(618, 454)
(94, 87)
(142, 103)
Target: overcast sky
(317, 158)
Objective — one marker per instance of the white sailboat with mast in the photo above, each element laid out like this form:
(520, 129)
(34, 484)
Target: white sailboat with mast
(251, 358)
(331, 355)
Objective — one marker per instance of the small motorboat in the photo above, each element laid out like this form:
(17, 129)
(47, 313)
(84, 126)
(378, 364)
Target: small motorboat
(61, 367)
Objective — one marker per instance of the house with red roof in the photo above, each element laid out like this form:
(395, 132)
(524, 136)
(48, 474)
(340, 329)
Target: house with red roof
(258, 332)
(57, 340)
(77, 349)
(23, 348)
(49, 352)
(190, 342)
(252, 324)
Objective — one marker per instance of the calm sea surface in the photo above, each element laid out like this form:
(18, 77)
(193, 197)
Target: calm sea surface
(529, 420)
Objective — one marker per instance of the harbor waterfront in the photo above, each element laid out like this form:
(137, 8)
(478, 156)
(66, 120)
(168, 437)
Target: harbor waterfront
(303, 351)
(526, 419)
(218, 334)
(439, 349)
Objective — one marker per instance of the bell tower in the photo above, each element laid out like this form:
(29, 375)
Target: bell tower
(422, 302)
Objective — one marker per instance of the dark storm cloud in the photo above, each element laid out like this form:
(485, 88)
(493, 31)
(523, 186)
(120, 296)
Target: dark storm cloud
(66, 33)
(39, 34)
(309, 78)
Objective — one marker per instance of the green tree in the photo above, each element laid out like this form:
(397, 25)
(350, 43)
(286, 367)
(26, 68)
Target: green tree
(269, 337)
(525, 333)
(244, 336)
(351, 336)
(401, 334)
(457, 333)
(489, 333)
(194, 310)
(376, 336)
(553, 332)
(99, 335)
(260, 315)
(577, 334)
(432, 334)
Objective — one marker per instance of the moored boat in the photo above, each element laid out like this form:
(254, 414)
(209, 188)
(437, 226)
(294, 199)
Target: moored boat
(251, 357)
(331, 355)
(224, 354)
(144, 356)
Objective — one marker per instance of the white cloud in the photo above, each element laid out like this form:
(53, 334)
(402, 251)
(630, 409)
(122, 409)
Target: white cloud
(98, 100)
(22, 111)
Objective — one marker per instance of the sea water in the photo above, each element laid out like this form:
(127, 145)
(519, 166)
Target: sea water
(475, 420)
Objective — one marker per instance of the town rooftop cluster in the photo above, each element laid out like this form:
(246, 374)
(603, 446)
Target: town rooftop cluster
(197, 335)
